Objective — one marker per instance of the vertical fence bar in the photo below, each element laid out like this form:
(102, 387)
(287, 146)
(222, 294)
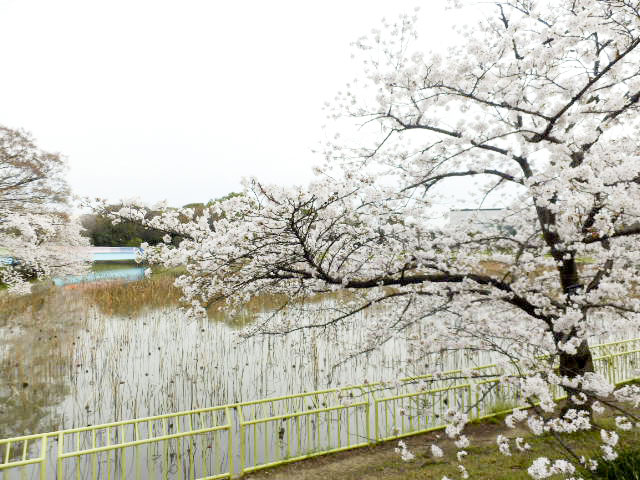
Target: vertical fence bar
(230, 447)
(43, 456)
(288, 422)
(77, 459)
(136, 431)
(242, 439)
(377, 427)
(339, 419)
(368, 420)
(192, 453)
(123, 454)
(60, 472)
(255, 441)
(299, 432)
(349, 426)
(94, 460)
(165, 448)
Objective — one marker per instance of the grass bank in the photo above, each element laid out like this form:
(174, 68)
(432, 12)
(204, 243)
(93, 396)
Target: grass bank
(381, 462)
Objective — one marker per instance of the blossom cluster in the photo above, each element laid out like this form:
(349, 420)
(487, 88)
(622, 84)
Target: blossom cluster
(533, 112)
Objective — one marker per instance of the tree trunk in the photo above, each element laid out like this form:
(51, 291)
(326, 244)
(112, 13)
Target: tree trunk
(572, 366)
(581, 362)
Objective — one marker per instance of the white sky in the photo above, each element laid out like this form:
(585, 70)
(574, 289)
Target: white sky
(178, 100)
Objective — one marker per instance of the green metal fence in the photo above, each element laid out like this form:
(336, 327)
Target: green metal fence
(227, 441)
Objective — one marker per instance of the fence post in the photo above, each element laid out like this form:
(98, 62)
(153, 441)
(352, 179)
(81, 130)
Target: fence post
(368, 415)
(377, 428)
(43, 459)
(230, 447)
(612, 373)
(60, 472)
(243, 453)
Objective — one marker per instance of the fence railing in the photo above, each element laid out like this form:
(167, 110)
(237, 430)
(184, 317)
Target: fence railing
(229, 440)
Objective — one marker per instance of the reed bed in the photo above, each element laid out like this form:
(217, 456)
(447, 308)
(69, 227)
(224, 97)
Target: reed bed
(120, 298)
(100, 353)
(75, 357)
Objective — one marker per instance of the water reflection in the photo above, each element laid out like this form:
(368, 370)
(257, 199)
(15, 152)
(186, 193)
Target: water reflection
(35, 357)
(122, 273)
(94, 355)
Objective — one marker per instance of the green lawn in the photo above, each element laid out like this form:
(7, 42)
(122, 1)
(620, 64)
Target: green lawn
(483, 462)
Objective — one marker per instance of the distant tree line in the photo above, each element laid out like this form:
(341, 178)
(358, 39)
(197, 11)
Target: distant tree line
(103, 233)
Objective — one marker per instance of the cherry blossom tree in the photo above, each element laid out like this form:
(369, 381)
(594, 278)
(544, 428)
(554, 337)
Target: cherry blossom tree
(535, 109)
(36, 230)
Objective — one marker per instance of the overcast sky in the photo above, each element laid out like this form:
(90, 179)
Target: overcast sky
(178, 100)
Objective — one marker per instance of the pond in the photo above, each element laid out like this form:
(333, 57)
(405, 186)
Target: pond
(105, 352)
(96, 352)
(105, 272)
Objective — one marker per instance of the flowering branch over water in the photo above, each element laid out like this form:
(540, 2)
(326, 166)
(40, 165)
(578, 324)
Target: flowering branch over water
(535, 111)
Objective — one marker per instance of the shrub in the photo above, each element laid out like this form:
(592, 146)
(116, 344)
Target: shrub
(625, 467)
